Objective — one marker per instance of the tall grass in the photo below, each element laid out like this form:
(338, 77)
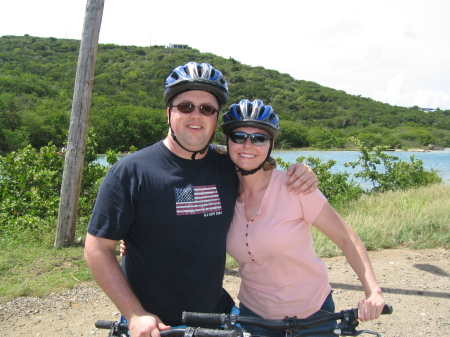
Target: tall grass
(416, 218)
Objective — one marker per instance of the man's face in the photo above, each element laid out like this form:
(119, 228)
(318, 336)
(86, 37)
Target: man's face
(193, 130)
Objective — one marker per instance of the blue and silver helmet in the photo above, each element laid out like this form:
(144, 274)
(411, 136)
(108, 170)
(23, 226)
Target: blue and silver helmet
(196, 76)
(251, 114)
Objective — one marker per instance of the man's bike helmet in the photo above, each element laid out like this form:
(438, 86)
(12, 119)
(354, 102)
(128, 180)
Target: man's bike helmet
(251, 114)
(196, 76)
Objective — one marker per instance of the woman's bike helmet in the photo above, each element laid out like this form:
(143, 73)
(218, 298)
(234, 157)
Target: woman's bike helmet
(196, 76)
(251, 114)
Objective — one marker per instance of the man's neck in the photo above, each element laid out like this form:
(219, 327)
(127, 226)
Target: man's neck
(175, 148)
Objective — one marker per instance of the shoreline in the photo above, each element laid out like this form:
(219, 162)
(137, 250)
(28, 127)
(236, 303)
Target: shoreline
(121, 154)
(356, 150)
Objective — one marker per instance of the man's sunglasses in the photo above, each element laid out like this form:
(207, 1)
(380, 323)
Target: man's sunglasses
(255, 138)
(187, 108)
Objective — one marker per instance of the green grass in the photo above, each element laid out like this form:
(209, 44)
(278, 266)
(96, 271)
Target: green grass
(418, 218)
(37, 271)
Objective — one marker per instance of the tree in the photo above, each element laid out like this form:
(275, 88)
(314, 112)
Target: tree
(292, 134)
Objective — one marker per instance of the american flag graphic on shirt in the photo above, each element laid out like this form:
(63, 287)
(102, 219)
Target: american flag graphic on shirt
(197, 200)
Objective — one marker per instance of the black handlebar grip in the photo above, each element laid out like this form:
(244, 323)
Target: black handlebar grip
(104, 324)
(198, 317)
(387, 309)
(201, 332)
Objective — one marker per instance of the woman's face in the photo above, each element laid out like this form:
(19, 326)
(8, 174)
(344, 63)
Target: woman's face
(248, 156)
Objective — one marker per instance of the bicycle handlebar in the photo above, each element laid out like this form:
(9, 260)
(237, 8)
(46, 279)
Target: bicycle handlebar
(109, 324)
(286, 324)
(179, 332)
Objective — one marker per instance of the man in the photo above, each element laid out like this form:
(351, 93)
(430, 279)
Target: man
(172, 203)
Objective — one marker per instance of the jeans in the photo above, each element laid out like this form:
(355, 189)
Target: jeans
(328, 306)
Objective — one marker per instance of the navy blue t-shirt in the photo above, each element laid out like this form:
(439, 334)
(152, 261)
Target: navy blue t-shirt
(174, 215)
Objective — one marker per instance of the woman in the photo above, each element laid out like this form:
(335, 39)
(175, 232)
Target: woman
(270, 236)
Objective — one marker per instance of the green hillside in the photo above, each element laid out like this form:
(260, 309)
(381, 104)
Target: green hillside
(36, 87)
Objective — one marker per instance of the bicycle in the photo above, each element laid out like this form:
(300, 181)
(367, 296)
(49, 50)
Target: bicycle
(288, 325)
(230, 325)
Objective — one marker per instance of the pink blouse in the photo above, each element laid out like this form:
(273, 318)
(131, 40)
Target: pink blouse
(280, 272)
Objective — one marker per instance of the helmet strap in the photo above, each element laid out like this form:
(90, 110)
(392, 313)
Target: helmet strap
(246, 173)
(249, 172)
(194, 153)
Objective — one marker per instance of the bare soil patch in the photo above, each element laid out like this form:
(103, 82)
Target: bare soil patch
(415, 282)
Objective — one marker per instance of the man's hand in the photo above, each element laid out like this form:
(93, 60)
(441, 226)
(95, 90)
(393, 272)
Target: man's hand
(301, 179)
(146, 325)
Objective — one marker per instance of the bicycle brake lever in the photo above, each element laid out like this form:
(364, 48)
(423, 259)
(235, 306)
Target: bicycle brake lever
(347, 325)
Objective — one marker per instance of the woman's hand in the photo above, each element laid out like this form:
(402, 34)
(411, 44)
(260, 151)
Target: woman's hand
(123, 248)
(371, 307)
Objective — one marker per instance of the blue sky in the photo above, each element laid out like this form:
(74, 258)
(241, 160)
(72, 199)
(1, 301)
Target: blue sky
(393, 51)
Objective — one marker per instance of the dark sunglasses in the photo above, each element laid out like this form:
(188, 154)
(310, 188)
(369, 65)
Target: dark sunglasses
(187, 108)
(255, 138)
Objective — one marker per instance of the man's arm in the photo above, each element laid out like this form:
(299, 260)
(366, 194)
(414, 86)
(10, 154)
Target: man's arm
(101, 260)
(301, 179)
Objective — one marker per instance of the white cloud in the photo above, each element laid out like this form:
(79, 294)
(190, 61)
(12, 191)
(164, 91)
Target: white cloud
(429, 99)
(396, 94)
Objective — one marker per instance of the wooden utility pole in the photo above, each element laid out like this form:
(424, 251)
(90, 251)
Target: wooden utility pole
(81, 105)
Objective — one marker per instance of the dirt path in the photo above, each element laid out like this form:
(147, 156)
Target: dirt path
(416, 283)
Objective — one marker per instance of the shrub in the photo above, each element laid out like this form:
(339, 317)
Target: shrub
(388, 173)
(335, 186)
(30, 185)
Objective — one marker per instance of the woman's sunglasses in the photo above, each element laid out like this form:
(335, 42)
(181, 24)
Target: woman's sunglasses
(187, 108)
(255, 138)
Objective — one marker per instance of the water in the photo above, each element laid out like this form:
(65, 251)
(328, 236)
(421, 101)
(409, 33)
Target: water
(438, 160)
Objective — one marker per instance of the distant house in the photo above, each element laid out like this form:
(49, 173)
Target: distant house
(178, 46)
(427, 109)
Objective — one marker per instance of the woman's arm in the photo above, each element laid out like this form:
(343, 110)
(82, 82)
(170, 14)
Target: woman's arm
(334, 227)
